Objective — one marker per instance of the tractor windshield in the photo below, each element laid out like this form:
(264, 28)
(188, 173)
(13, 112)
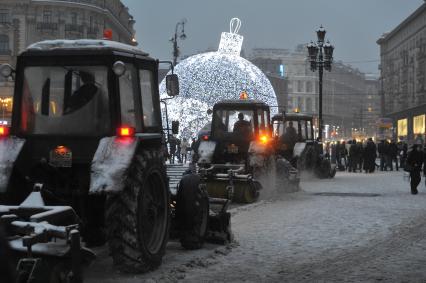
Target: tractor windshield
(65, 100)
(237, 122)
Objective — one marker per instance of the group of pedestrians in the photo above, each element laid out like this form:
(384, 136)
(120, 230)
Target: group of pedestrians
(354, 156)
(388, 154)
(179, 150)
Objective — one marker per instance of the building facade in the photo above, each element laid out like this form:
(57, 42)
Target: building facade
(349, 102)
(403, 76)
(23, 22)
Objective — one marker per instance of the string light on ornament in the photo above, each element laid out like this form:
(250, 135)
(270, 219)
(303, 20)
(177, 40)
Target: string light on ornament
(205, 79)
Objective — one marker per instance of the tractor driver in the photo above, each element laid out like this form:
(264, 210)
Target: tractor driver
(289, 138)
(83, 94)
(242, 127)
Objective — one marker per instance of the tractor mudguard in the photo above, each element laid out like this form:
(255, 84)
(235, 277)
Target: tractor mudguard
(110, 162)
(9, 150)
(206, 151)
(298, 149)
(257, 154)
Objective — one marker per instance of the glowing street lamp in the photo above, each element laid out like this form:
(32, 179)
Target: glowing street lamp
(320, 57)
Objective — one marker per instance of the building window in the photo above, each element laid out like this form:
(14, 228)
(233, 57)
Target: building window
(308, 105)
(299, 86)
(91, 24)
(4, 16)
(4, 43)
(74, 19)
(47, 16)
(309, 87)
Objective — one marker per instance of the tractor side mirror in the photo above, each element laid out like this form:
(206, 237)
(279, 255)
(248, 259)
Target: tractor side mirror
(172, 85)
(175, 127)
(6, 70)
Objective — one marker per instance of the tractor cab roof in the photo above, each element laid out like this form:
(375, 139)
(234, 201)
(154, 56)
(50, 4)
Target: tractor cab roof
(240, 104)
(82, 47)
(292, 117)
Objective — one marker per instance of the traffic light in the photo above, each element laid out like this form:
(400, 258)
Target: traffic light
(175, 127)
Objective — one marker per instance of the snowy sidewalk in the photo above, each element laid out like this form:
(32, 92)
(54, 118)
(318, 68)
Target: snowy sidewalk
(354, 228)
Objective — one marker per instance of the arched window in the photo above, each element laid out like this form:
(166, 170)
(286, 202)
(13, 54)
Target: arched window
(4, 43)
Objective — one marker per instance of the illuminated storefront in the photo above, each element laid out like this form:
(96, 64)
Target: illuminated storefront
(419, 125)
(402, 127)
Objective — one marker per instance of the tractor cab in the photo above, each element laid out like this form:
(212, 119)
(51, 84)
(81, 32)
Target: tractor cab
(291, 129)
(295, 141)
(235, 125)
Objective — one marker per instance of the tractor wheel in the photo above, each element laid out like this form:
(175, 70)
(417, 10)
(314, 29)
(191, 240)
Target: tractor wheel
(324, 169)
(138, 218)
(251, 192)
(61, 273)
(332, 172)
(192, 212)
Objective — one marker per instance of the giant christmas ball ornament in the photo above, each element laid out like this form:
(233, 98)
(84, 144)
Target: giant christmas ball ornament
(207, 78)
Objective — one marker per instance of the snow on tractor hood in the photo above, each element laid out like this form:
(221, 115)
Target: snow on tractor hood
(9, 150)
(110, 163)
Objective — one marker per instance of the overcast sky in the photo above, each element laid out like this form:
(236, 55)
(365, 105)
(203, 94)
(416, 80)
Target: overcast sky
(353, 26)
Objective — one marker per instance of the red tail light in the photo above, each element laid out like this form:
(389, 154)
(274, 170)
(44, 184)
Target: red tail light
(126, 132)
(205, 138)
(4, 131)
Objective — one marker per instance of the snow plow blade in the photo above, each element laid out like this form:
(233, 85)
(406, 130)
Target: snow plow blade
(239, 191)
(232, 185)
(219, 225)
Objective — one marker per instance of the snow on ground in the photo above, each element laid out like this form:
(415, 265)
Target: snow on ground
(377, 235)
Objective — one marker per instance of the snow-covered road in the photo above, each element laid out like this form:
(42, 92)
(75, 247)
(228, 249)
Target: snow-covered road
(354, 228)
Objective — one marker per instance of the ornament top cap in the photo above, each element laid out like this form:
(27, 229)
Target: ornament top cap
(231, 42)
(234, 25)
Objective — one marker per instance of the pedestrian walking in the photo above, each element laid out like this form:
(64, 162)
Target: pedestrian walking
(183, 149)
(413, 165)
(393, 155)
(360, 147)
(178, 150)
(370, 156)
(172, 149)
(194, 150)
(382, 150)
(403, 155)
(353, 156)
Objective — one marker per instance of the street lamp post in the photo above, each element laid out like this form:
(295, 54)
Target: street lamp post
(320, 57)
(181, 34)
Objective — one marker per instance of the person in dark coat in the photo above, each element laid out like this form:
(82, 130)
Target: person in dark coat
(415, 161)
(403, 155)
(370, 156)
(353, 156)
(172, 151)
(360, 148)
(393, 155)
(381, 149)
